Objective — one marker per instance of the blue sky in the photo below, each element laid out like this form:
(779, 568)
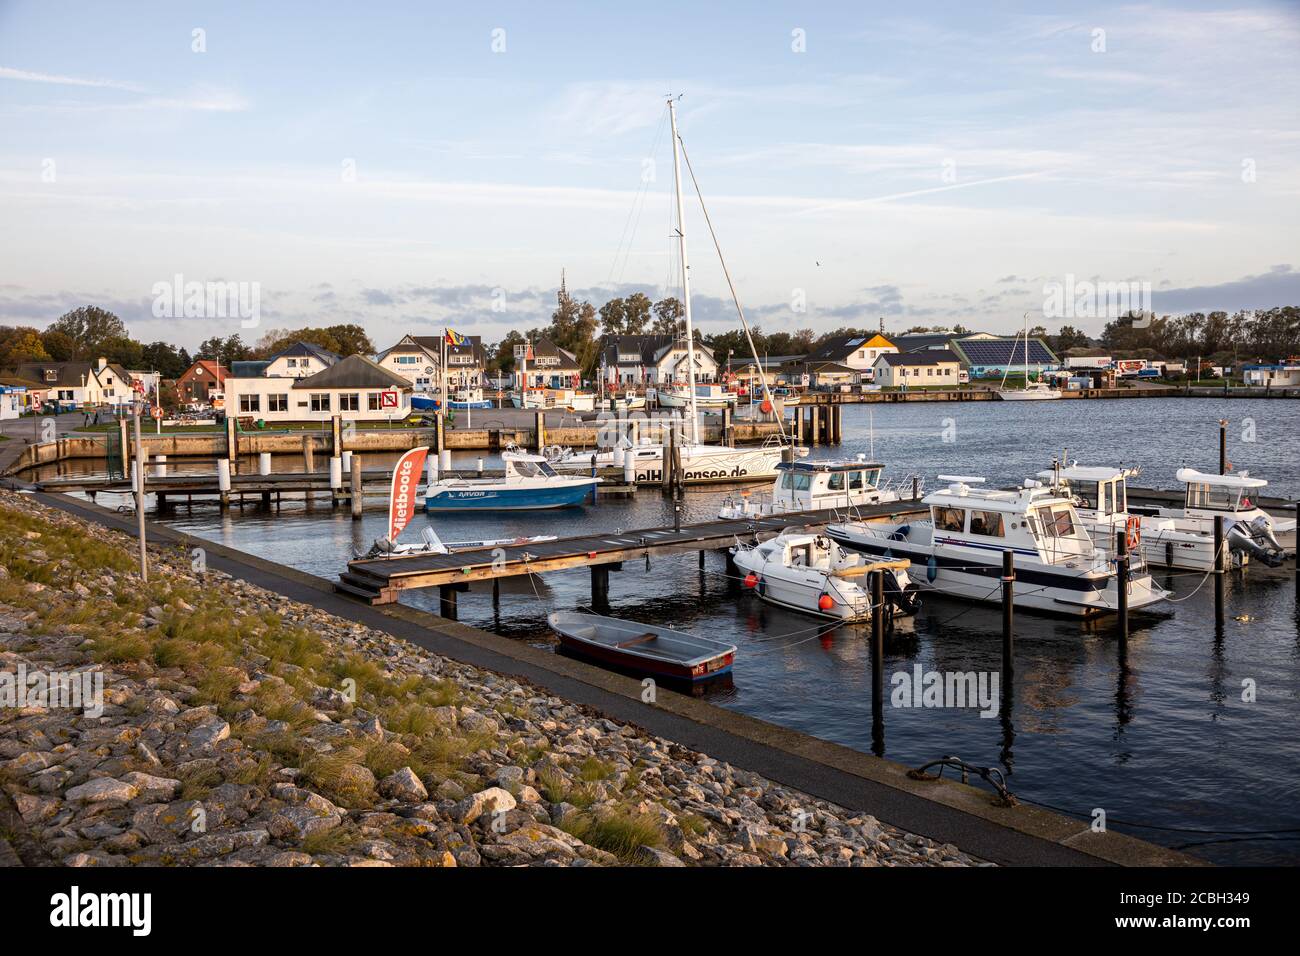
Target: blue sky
(931, 166)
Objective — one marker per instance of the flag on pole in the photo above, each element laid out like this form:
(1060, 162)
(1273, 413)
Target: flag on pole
(402, 494)
(454, 338)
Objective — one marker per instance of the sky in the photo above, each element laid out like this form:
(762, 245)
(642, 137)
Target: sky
(409, 166)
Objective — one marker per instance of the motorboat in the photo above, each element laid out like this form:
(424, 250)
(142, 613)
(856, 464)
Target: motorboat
(430, 543)
(706, 396)
(529, 483)
(629, 400)
(813, 574)
(542, 398)
(469, 398)
(423, 402)
(1168, 536)
(816, 485)
(701, 464)
(1058, 567)
(645, 648)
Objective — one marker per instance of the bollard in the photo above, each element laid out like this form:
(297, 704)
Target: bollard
(356, 488)
(223, 481)
(1121, 582)
(346, 459)
(336, 475)
(308, 455)
(1008, 612)
(160, 466)
(264, 463)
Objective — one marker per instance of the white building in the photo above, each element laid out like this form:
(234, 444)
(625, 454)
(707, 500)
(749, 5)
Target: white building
(653, 360)
(301, 385)
(915, 369)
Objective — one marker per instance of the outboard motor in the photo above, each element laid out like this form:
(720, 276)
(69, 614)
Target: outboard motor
(901, 592)
(1256, 539)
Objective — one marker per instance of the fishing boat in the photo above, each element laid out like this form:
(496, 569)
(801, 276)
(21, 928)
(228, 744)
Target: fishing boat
(1058, 567)
(705, 396)
(430, 543)
(811, 573)
(629, 399)
(529, 483)
(469, 398)
(1032, 391)
(645, 648)
(815, 485)
(425, 403)
(566, 398)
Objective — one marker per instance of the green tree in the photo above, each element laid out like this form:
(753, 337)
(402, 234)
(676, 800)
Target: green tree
(59, 345)
(669, 313)
(91, 329)
(21, 344)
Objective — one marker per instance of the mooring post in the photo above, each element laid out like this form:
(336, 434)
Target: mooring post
(599, 587)
(1297, 559)
(1121, 581)
(308, 455)
(1008, 613)
(232, 443)
(878, 657)
(1223, 446)
(701, 560)
(496, 592)
(336, 436)
(223, 482)
(539, 425)
(447, 601)
(666, 462)
(1218, 569)
(357, 500)
(916, 487)
(439, 433)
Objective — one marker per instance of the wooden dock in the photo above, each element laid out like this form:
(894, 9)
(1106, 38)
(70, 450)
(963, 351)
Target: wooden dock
(382, 580)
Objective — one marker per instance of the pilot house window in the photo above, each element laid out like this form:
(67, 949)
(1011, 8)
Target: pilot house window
(949, 519)
(987, 523)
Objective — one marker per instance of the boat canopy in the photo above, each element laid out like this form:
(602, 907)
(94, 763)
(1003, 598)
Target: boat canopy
(1096, 473)
(1193, 477)
(839, 464)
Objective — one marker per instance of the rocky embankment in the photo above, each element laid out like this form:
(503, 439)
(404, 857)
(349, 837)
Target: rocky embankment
(241, 728)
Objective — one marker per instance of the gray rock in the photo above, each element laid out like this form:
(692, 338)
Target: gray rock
(103, 789)
(404, 785)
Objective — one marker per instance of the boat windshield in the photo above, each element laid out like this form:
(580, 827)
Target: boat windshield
(797, 480)
(1058, 521)
(531, 469)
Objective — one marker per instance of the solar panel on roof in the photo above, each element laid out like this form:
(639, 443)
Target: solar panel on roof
(1006, 353)
(854, 343)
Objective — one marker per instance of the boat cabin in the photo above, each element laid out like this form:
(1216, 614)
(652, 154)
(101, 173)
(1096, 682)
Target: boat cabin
(1220, 493)
(519, 465)
(1101, 489)
(825, 484)
(1033, 518)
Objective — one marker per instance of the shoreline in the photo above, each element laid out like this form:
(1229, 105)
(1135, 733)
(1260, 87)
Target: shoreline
(946, 811)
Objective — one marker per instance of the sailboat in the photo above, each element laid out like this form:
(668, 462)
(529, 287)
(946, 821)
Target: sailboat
(700, 463)
(1033, 391)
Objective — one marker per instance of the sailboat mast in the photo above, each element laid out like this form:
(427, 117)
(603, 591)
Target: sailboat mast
(686, 277)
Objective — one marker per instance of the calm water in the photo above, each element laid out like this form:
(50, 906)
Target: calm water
(1161, 738)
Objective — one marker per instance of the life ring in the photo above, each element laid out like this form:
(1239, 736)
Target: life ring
(1133, 532)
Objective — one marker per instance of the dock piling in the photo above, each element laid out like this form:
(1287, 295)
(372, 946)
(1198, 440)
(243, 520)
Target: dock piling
(1218, 569)
(1008, 614)
(1121, 581)
(599, 588)
(539, 425)
(308, 455)
(357, 499)
(878, 661)
(223, 482)
(447, 601)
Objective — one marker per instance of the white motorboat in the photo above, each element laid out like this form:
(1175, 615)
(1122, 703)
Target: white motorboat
(706, 396)
(629, 400)
(567, 398)
(529, 483)
(813, 574)
(1058, 567)
(814, 485)
(430, 543)
(1033, 391)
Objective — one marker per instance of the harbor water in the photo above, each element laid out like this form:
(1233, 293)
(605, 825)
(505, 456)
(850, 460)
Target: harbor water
(1188, 740)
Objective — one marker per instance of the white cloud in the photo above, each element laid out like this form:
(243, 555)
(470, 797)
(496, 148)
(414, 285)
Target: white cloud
(30, 76)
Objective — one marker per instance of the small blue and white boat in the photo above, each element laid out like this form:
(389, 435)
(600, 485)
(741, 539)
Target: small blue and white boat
(529, 484)
(469, 398)
(425, 403)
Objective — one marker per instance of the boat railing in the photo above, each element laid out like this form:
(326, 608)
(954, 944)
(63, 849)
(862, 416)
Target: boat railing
(902, 487)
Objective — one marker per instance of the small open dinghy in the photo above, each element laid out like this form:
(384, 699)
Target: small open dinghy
(647, 648)
(430, 543)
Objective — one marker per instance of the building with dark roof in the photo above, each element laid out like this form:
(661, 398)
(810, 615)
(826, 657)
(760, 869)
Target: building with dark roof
(549, 367)
(652, 360)
(914, 369)
(418, 359)
(314, 384)
(858, 352)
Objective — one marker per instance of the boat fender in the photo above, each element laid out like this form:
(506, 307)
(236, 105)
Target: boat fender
(825, 602)
(931, 569)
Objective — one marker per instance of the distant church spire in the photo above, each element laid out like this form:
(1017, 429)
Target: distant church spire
(564, 292)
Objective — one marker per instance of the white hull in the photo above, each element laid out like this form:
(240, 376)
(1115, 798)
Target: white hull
(701, 464)
(669, 399)
(975, 574)
(1028, 394)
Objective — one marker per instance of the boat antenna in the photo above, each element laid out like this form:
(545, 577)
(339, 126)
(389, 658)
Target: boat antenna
(686, 274)
(749, 337)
